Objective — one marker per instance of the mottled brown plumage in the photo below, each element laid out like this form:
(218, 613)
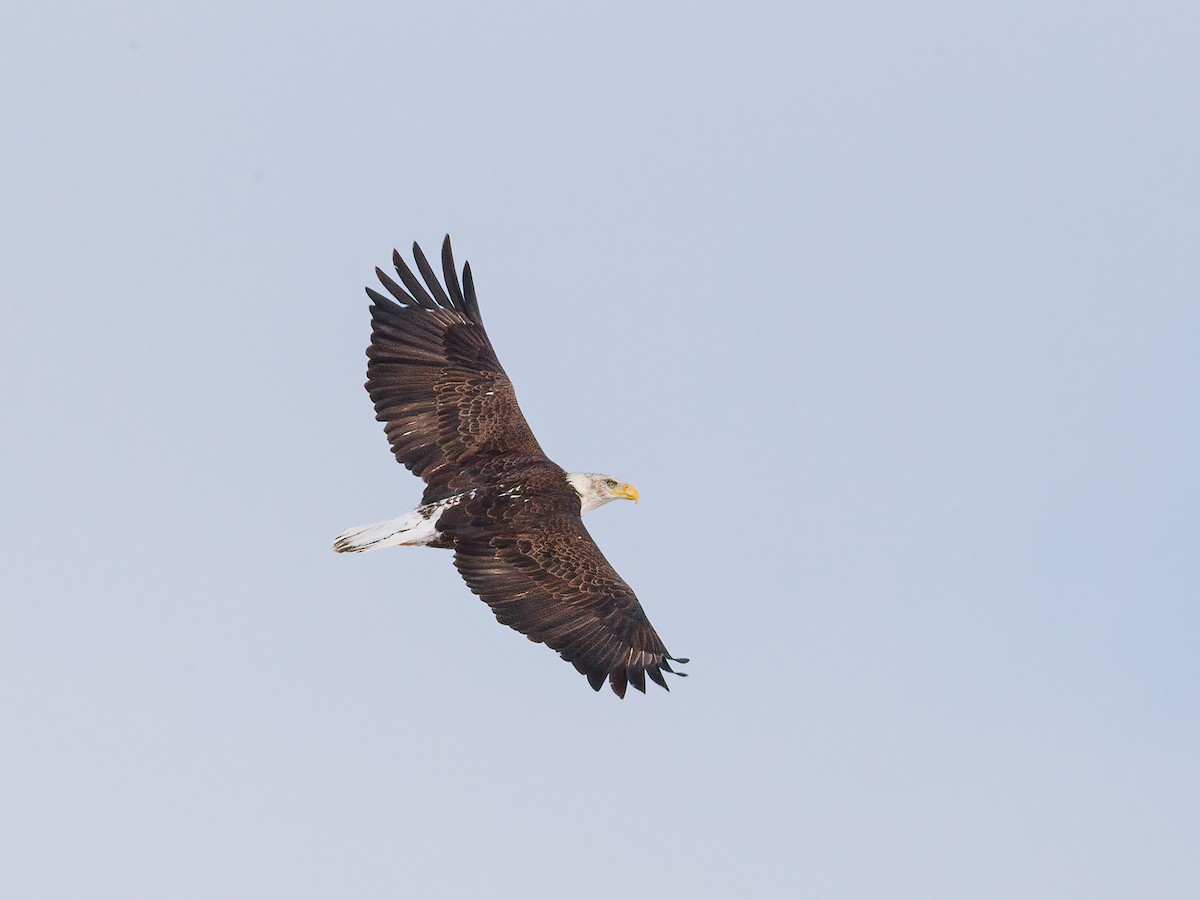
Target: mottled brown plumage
(514, 523)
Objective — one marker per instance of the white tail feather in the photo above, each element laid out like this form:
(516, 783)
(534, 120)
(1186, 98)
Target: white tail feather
(411, 529)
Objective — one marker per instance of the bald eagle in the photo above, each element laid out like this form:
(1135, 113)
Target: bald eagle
(511, 516)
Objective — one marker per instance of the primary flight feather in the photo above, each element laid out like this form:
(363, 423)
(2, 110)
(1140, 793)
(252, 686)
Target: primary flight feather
(512, 517)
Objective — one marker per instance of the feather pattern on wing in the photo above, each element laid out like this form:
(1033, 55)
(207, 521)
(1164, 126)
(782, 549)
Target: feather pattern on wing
(529, 556)
(450, 412)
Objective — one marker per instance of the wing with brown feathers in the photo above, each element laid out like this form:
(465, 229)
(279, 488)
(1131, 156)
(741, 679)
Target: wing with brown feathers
(450, 411)
(542, 574)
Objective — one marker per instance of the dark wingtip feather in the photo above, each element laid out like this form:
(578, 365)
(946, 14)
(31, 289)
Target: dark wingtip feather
(618, 682)
(451, 275)
(472, 304)
(596, 679)
(420, 295)
(431, 281)
(657, 677)
(402, 296)
(379, 299)
(666, 666)
(637, 677)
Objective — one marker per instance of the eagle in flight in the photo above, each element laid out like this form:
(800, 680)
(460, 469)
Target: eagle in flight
(511, 516)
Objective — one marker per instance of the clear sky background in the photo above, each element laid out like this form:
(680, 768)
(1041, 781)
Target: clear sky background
(891, 312)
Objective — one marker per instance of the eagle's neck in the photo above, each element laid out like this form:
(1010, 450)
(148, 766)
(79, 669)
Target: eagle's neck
(585, 486)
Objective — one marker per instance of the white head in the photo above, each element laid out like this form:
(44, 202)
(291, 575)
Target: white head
(596, 490)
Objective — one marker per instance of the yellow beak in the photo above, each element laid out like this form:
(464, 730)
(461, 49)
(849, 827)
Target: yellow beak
(626, 492)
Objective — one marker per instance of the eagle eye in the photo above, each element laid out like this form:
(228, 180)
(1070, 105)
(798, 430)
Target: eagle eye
(611, 483)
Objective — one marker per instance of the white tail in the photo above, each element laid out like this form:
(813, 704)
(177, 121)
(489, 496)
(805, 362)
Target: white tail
(411, 529)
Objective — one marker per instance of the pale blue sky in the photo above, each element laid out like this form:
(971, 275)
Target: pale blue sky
(891, 312)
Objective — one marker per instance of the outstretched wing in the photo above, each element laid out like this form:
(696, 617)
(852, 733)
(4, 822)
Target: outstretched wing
(450, 411)
(544, 576)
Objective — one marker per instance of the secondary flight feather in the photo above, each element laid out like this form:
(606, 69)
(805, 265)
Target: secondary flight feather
(512, 517)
